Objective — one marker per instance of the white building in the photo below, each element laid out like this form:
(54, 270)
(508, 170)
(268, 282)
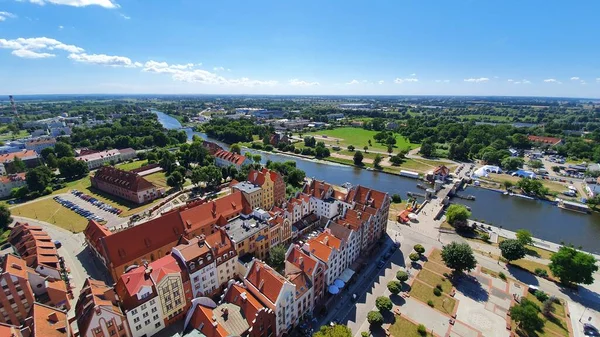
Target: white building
(95, 160)
(329, 249)
(198, 257)
(38, 144)
(7, 183)
(225, 256)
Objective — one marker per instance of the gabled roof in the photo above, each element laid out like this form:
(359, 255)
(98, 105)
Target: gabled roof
(442, 169)
(238, 294)
(12, 177)
(302, 261)
(48, 321)
(234, 158)
(317, 189)
(301, 281)
(134, 242)
(340, 231)
(164, 266)
(366, 196)
(323, 245)
(258, 177)
(546, 140)
(14, 266)
(266, 280)
(130, 283)
(94, 296)
(34, 245)
(202, 320)
(25, 154)
(208, 214)
(195, 248)
(221, 244)
(93, 232)
(125, 179)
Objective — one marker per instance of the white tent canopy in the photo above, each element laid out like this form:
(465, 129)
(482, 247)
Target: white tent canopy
(346, 275)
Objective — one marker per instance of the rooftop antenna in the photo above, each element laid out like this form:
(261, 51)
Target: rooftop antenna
(12, 103)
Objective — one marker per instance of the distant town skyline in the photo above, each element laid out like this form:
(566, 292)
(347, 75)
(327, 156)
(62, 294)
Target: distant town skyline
(509, 48)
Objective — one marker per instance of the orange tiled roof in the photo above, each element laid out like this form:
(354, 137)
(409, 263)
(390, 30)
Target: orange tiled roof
(322, 246)
(123, 179)
(234, 158)
(9, 157)
(220, 242)
(49, 322)
(546, 140)
(94, 295)
(93, 232)
(34, 245)
(317, 189)
(442, 169)
(266, 280)
(209, 214)
(164, 266)
(202, 317)
(302, 261)
(14, 266)
(237, 294)
(12, 177)
(130, 283)
(301, 281)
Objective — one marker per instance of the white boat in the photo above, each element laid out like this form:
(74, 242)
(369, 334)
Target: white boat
(572, 206)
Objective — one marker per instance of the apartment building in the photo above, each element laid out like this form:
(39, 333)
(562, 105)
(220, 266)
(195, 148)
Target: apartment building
(46, 321)
(252, 192)
(200, 262)
(250, 235)
(272, 184)
(225, 256)
(371, 204)
(38, 144)
(98, 313)
(8, 182)
(324, 199)
(275, 292)
(30, 158)
(297, 260)
(98, 159)
(172, 284)
(329, 249)
(16, 297)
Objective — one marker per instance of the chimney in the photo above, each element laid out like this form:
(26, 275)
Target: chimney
(225, 313)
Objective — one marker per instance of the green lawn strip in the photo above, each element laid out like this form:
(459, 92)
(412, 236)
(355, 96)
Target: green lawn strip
(4, 237)
(434, 279)
(359, 138)
(436, 256)
(557, 323)
(438, 268)
(404, 327)
(531, 266)
(534, 251)
(424, 293)
(11, 136)
(132, 165)
(52, 212)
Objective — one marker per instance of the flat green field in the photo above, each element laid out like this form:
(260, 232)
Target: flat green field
(406, 328)
(132, 165)
(10, 136)
(50, 211)
(358, 138)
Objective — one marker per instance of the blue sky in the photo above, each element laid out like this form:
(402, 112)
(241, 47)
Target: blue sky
(478, 47)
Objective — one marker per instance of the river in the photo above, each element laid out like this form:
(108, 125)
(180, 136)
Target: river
(543, 219)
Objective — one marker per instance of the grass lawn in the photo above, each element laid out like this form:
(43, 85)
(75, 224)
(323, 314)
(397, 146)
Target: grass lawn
(531, 266)
(50, 211)
(405, 328)
(359, 138)
(556, 325)
(436, 256)
(490, 272)
(434, 279)
(425, 293)
(553, 186)
(4, 237)
(534, 251)
(437, 267)
(419, 165)
(132, 165)
(10, 136)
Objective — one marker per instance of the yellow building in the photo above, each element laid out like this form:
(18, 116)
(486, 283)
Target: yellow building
(253, 193)
(250, 235)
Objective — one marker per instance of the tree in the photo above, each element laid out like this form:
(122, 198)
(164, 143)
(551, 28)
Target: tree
(235, 148)
(391, 141)
(377, 161)
(556, 169)
(395, 287)
(375, 318)
(512, 163)
(176, 180)
(365, 148)
(310, 141)
(52, 161)
(427, 149)
(211, 175)
(390, 149)
(358, 158)
(63, 150)
(512, 249)
(277, 258)
(459, 257)
(397, 159)
(532, 186)
(396, 198)
(414, 257)
(548, 306)
(526, 316)
(18, 165)
(5, 218)
(572, 266)
(524, 237)
(72, 168)
(383, 303)
(351, 148)
(419, 248)
(38, 179)
(457, 214)
(295, 177)
(535, 164)
(402, 276)
(336, 330)
(196, 176)
(256, 158)
(46, 152)
(508, 184)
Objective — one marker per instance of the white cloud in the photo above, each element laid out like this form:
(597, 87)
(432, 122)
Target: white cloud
(597, 79)
(125, 16)
(402, 80)
(442, 81)
(574, 78)
(37, 47)
(381, 82)
(353, 82)
(219, 69)
(526, 81)
(413, 75)
(188, 73)
(61, 27)
(552, 80)
(29, 54)
(6, 15)
(299, 83)
(477, 80)
(510, 80)
(104, 60)
(76, 3)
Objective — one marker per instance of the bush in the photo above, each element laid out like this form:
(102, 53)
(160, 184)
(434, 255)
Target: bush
(396, 198)
(257, 146)
(439, 286)
(541, 272)
(414, 257)
(402, 276)
(419, 249)
(541, 296)
(446, 275)
(430, 303)
(421, 330)
(502, 276)
(374, 318)
(297, 151)
(383, 303)
(364, 334)
(485, 237)
(395, 287)
(269, 148)
(548, 306)
(437, 292)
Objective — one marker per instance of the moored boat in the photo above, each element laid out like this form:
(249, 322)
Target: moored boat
(572, 206)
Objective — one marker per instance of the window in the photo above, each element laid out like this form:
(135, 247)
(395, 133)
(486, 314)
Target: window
(135, 320)
(154, 310)
(147, 322)
(138, 328)
(109, 323)
(157, 325)
(155, 317)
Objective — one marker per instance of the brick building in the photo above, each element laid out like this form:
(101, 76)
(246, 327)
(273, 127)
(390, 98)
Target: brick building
(124, 184)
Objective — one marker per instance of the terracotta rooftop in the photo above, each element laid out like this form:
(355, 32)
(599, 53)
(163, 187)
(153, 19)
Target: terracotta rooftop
(215, 212)
(25, 154)
(124, 179)
(302, 261)
(130, 283)
(231, 157)
(367, 196)
(202, 319)
(44, 140)
(317, 189)
(164, 266)
(545, 140)
(221, 244)
(442, 169)
(12, 177)
(14, 266)
(33, 245)
(322, 246)
(238, 294)
(195, 248)
(266, 280)
(95, 295)
(301, 281)
(258, 177)
(93, 232)
(49, 322)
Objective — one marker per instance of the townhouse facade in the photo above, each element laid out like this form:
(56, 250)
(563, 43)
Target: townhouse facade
(38, 144)
(272, 184)
(200, 262)
(252, 192)
(225, 256)
(97, 312)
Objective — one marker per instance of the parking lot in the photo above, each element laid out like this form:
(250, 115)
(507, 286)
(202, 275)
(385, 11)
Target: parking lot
(111, 219)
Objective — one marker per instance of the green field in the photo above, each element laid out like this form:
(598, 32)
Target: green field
(10, 136)
(50, 211)
(404, 327)
(132, 165)
(358, 138)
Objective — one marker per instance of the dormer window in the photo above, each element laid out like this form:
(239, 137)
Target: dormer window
(208, 257)
(200, 262)
(192, 265)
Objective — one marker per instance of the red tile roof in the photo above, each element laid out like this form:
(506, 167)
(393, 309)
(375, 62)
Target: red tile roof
(45, 140)
(301, 281)
(95, 295)
(322, 246)
(164, 266)
(442, 169)
(221, 244)
(367, 196)
(266, 280)
(302, 261)
(202, 317)
(49, 322)
(238, 294)
(545, 140)
(124, 179)
(15, 266)
(214, 212)
(9, 157)
(12, 177)
(93, 232)
(34, 245)
(234, 158)
(317, 189)
(130, 283)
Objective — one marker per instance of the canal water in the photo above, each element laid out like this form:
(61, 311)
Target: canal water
(543, 219)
